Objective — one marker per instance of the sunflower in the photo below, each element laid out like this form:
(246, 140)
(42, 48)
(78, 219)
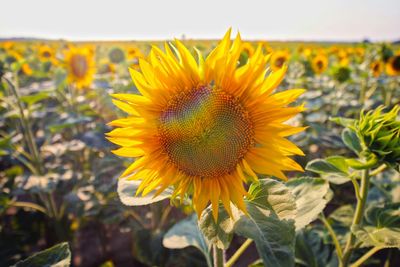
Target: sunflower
(248, 49)
(376, 68)
(206, 126)
(8, 45)
(26, 69)
(343, 58)
(319, 63)
(393, 65)
(46, 53)
(278, 59)
(80, 66)
(134, 53)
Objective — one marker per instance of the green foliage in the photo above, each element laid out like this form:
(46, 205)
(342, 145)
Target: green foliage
(127, 193)
(186, 233)
(335, 169)
(275, 211)
(57, 256)
(382, 228)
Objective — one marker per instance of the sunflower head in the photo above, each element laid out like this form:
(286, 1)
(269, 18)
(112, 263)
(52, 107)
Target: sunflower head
(393, 65)
(8, 45)
(46, 53)
(116, 55)
(134, 52)
(13, 56)
(247, 51)
(205, 126)
(278, 59)
(319, 63)
(80, 66)
(26, 69)
(376, 68)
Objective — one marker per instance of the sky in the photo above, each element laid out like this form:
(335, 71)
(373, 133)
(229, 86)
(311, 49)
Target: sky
(339, 20)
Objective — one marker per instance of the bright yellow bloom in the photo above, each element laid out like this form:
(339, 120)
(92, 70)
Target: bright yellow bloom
(343, 58)
(278, 59)
(46, 53)
(393, 65)
(8, 45)
(26, 69)
(319, 63)
(376, 68)
(206, 126)
(248, 49)
(134, 53)
(80, 66)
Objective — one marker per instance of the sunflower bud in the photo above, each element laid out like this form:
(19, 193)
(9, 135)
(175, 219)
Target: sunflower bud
(379, 134)
(341, 74)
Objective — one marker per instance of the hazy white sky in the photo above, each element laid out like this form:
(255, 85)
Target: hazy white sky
(151, 19)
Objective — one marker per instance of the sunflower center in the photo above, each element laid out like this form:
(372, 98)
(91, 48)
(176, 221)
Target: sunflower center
(46, 54)
(376, 67)
(205, 132)
(79, 65)
(320, 65)
(280, 61)
(396, 63)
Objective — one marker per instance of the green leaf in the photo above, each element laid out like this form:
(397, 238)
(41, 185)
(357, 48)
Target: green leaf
(351, 140)
(343, 215)
(335, 169)
(187, 233)
(34, 98)
(345, 122)
(311, 198)
(270, 222)
(383, 228)
(311, 251)
(219, 233)
(127, 193)
(59, 256)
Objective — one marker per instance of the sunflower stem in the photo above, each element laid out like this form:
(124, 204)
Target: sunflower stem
(218, 256)
(366, 256)
(335, 240)
(27, 132)
(357, 220)
(238, 253)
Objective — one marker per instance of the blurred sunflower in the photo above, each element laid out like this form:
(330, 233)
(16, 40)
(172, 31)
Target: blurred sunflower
(26, 69)
(393, 65)
(376, 68)
(267, 48)
(134, 53)
(8, 45)
(278, 59)
(80, 66)
(13, 56)
(248, 49)
(46, 53)
(206, 126)
(343, 58)
(319, 63)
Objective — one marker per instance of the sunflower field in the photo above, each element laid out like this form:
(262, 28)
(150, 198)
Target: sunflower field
(199, 153)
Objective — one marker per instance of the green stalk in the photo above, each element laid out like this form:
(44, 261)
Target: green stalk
(366, 256)
(238, 253)
(26, 127)
(333, 236)
(29, 205)
(357, 220)
(218, 256)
